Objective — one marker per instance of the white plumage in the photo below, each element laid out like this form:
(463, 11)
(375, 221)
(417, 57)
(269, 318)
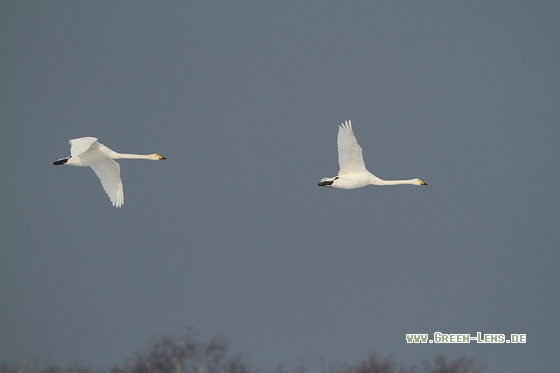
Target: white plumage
(86, 151)
(353, 173)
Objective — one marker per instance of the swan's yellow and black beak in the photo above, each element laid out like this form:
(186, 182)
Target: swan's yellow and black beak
(422, 183)
(160, 157)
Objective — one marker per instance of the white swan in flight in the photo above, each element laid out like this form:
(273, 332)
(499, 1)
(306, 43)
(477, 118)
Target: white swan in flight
(86, 151)
(353, 173)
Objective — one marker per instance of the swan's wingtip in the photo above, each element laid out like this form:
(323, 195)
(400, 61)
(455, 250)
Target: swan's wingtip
(346, 125)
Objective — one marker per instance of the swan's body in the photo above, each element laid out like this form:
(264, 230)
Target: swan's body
(86, 151)
(353, 173)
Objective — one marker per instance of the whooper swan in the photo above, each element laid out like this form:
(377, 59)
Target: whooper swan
(86, 151)
(353, 173)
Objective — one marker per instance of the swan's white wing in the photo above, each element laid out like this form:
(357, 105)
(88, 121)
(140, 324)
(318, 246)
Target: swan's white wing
(109, 172)
(349, 152)
(81, 145)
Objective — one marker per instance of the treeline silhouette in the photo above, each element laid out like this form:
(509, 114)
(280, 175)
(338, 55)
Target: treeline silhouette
(188, 353)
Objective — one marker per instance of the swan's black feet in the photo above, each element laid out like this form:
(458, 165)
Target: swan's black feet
(61, 161)
(325, 183)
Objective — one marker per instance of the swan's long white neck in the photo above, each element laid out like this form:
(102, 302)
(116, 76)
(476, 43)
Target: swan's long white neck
(397, 182)
(130, 156)
(377, 181)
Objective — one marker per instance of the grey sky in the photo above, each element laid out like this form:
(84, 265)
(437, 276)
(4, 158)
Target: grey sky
(231, 234)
